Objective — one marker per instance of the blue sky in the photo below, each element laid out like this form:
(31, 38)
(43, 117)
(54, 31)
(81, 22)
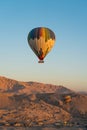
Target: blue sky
(66, 64)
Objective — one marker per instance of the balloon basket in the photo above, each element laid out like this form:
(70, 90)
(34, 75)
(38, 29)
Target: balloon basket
(40, 61)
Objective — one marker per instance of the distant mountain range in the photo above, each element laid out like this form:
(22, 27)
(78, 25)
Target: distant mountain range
(83, 92)
(33, 103)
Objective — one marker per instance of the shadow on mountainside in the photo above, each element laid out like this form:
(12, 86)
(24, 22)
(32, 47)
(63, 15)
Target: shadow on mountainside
(15, 88)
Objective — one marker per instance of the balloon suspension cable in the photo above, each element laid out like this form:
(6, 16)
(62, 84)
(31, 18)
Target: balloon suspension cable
(40, 61)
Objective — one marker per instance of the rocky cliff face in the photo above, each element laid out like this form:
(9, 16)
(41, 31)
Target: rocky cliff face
(32, 103)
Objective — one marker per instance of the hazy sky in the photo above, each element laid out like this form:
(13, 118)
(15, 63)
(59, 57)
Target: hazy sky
(66, 64)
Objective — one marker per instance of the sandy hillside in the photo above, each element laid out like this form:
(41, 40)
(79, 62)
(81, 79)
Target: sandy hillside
(33, 104)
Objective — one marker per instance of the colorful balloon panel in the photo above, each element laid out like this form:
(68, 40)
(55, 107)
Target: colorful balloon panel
(41, 41)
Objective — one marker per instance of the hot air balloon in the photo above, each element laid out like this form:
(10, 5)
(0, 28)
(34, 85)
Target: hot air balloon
(41, 40)
(67, 98)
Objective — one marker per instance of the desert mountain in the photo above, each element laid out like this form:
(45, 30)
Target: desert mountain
(13, 86)
(33, 103)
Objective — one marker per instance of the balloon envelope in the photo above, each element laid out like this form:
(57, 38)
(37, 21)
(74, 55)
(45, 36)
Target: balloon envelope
(41, 41)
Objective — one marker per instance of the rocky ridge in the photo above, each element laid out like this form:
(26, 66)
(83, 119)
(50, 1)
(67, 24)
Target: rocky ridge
(33, 104)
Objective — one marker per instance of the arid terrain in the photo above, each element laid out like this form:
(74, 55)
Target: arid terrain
(33, 104)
